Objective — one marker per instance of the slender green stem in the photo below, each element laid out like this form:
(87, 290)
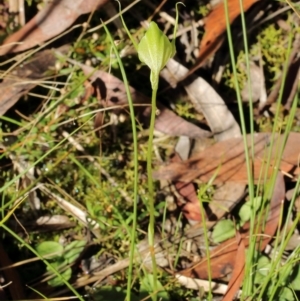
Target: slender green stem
(268, 283)
(206, 241)
(136, 164)
(154, 50)
(248, 284)
(151, 191)
(247, 289)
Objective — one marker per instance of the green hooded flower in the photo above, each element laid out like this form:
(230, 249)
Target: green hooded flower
(155, 50)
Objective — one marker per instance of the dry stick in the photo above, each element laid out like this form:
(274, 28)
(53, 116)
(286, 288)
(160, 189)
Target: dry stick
(171, 20)
(161, 249)
(143, 256)
(275, 14)
(201, 23)
(197, 284)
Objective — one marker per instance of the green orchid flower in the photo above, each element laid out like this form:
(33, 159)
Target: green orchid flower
(155, 50)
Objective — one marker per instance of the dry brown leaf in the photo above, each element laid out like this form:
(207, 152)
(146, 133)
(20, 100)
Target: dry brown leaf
(215, 25)
(225, 160)
(223, 257)
(25, 77)
(53, 19)
(190, 209)
(225, 197)
(238, 271)
(113, 93)
(173, 125)
(224, 126)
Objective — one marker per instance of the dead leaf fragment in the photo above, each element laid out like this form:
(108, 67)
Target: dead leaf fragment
(215, 26)
(52, 20)
(223, 257)
(25, 77)
(226, 162)
(238, 271)
(113, 94)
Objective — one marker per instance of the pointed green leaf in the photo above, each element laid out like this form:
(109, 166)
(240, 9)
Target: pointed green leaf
(147, 286)
(263, 265)
(73, 250)
(286, 294)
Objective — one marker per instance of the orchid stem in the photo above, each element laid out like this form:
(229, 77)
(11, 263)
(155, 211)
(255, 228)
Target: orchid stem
(151, 191)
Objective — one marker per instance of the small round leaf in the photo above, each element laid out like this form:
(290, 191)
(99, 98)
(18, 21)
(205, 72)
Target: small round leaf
(49, 249)
(58, 281)
(246, 210)
(223, 230)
